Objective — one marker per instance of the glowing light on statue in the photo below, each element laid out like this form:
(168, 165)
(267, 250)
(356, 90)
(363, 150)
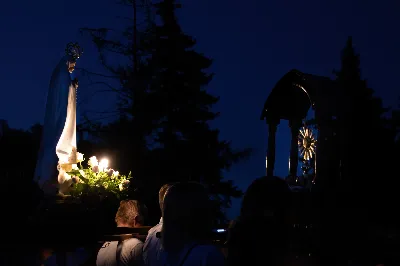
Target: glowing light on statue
(103, 165)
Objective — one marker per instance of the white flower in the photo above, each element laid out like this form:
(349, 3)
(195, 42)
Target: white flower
(125, 184)
(79, 157)
(115, 174)
(67, 177)
(82, 173)
(110, 172)
(93, 161)
(75, 167)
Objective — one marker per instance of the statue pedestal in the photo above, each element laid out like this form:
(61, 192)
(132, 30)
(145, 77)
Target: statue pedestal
(64, 221)
(63, 224)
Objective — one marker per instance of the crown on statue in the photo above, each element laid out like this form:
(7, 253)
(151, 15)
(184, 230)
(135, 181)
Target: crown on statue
(74, 50)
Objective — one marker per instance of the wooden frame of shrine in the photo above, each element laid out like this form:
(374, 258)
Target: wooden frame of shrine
(291, 99)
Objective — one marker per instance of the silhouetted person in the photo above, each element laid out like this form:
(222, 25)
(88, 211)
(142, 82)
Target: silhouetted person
(152, 245)
(187, 225)
(128, 252)
(258, 236)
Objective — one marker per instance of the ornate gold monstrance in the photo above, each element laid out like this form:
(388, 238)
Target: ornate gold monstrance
(307, 146)
(307, 143)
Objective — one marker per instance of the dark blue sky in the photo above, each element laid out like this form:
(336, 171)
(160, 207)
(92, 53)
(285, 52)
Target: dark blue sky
(253, 43)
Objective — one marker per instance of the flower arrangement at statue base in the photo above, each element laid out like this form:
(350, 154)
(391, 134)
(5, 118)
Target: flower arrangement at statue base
(97, 181)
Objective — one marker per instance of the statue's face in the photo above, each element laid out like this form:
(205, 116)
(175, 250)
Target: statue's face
(71, 66)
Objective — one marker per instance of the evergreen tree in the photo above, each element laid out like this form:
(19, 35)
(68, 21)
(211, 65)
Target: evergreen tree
(188, 148)
(165, 113)
(361, 119)
(367, 139)
(125, 137)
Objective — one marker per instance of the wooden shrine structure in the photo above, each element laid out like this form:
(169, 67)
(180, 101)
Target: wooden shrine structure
(291, 99)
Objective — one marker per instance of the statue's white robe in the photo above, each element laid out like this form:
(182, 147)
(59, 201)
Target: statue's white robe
(59, 129)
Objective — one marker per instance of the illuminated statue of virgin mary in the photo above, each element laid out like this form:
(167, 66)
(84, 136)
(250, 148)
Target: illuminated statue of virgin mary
(58, 146)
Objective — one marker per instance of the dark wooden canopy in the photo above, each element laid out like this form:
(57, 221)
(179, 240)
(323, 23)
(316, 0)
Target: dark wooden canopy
(296, 92)
(291, 99)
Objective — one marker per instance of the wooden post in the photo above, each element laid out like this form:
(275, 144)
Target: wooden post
(294, 154)
(272, 126)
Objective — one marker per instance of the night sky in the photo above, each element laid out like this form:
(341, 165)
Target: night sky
(253, 44)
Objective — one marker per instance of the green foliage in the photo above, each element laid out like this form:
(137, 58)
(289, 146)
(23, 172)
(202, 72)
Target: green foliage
(96, 181)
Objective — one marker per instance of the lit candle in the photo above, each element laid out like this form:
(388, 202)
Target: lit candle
(103, 165)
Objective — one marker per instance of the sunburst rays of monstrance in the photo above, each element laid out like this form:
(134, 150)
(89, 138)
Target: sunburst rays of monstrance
(307, 143)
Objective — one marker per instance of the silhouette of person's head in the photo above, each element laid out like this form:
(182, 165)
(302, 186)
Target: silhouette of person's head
(186, 216)
(266, 198)
(131, 213)
(261, 221)
(161, 195)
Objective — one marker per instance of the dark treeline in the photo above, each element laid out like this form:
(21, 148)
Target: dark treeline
(20, 194)
(362, 197)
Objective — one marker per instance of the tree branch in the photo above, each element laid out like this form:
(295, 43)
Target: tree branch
(104, 84)
(85, 71)
(85, 99)
(102, 112)
(111, 89)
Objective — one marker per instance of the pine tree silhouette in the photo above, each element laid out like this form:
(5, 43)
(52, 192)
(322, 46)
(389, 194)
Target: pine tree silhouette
(164, 133)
